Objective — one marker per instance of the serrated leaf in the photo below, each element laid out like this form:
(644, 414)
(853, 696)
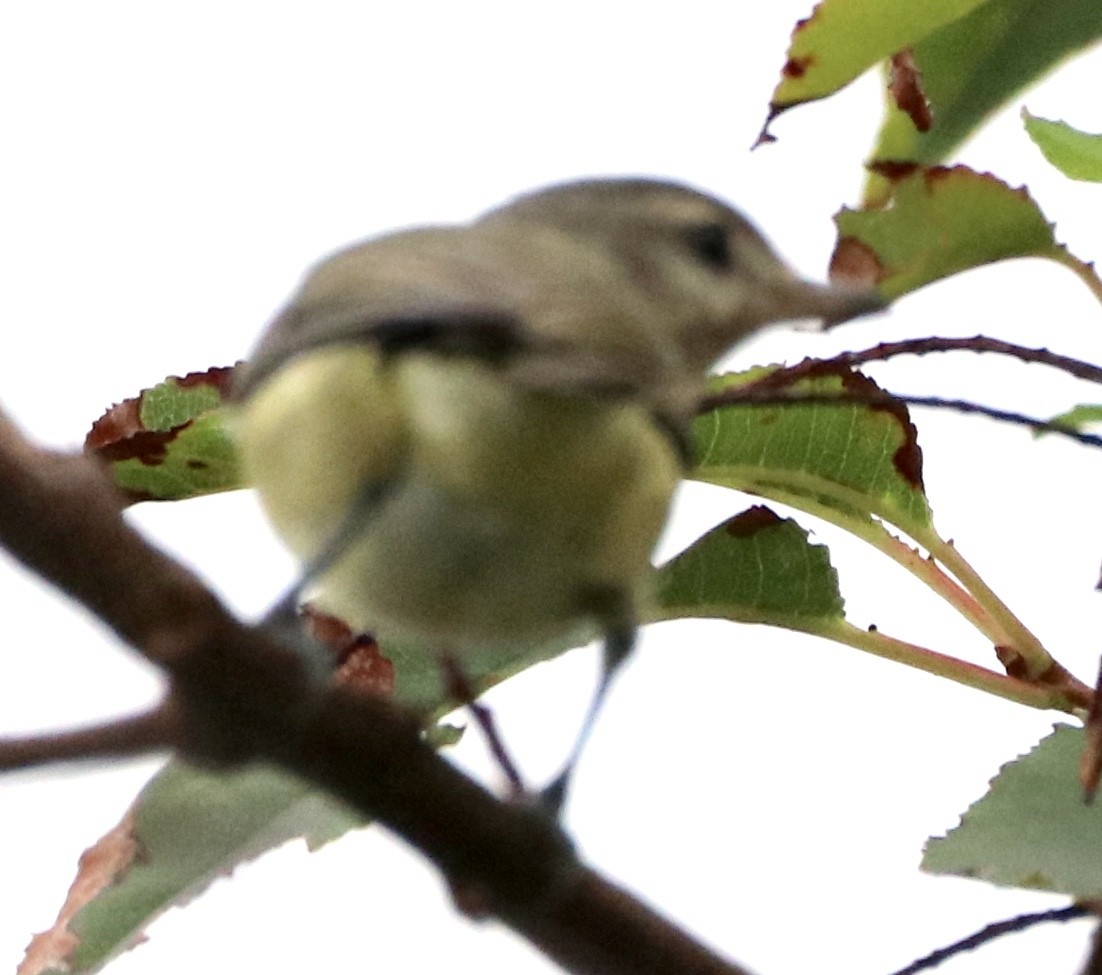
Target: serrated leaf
(845, 462)
(1032, 829)
(941, 221)
(188, 828)
(760, 568)
(754, 568)
(841, 39)
(1078, 155)
(974, 65)
(169, 442)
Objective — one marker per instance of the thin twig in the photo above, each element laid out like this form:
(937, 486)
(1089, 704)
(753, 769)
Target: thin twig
(154, 730)
(977, 343)
(1010, 926)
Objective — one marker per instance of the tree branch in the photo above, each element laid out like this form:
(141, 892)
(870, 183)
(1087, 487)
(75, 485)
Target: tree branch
(151, 731)
(998, 929)
(239, 695)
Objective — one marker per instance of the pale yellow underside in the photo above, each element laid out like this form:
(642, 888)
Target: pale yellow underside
(505, 509)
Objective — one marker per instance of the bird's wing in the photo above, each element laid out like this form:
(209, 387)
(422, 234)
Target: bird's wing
(501, 340)
(453, 330)
(525, 305)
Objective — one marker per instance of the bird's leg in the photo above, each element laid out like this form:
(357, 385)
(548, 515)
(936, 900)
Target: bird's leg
(284, 619)
(618, 644)
(459, 688)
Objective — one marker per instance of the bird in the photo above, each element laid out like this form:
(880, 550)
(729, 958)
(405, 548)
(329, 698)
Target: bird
(469, 435)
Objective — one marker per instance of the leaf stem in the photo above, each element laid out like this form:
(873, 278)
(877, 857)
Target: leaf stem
(942, 665)
(1015, 633)
(960, 586)
(1084, 270)
(872, 531)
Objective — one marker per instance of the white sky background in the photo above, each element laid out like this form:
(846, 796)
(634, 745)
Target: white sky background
(165, 180)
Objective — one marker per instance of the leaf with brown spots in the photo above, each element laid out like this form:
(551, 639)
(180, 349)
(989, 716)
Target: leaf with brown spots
(169, 442)
(359, 661)
(857, 464)
(849, 463)
(101, 865)
(186, 828)
(905, 86)
(972, 66)
(941, 221)
(842, 39)
(754, 568)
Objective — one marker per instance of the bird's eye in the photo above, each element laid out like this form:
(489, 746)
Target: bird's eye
(711, 243)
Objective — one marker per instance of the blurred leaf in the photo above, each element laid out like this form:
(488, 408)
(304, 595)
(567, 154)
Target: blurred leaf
(169, 442)
(973, 66)
(1032, 829)
(942, 221)
(1078, 155)
(841, 39)
(756, 568)
(188, 828)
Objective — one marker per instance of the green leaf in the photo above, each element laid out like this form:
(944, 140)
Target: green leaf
(755, 568)
(841, 39)
(973, 66)
(1032, 829)
(190, 827)
(1076, 418)
(858, 466)
(169, 442)
(760, 568)
(846, 462)
(1078, 155)
(942, 221)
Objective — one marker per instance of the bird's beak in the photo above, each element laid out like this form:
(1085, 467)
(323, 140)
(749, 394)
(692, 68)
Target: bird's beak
(830, 303)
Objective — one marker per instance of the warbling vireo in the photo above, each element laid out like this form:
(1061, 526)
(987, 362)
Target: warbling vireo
(470, 434)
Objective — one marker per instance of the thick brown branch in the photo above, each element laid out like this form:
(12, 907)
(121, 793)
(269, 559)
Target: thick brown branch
(238, 695)
(60, 516)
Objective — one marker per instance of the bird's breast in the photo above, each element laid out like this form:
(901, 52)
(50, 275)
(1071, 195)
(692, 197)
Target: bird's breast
(501, 509)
